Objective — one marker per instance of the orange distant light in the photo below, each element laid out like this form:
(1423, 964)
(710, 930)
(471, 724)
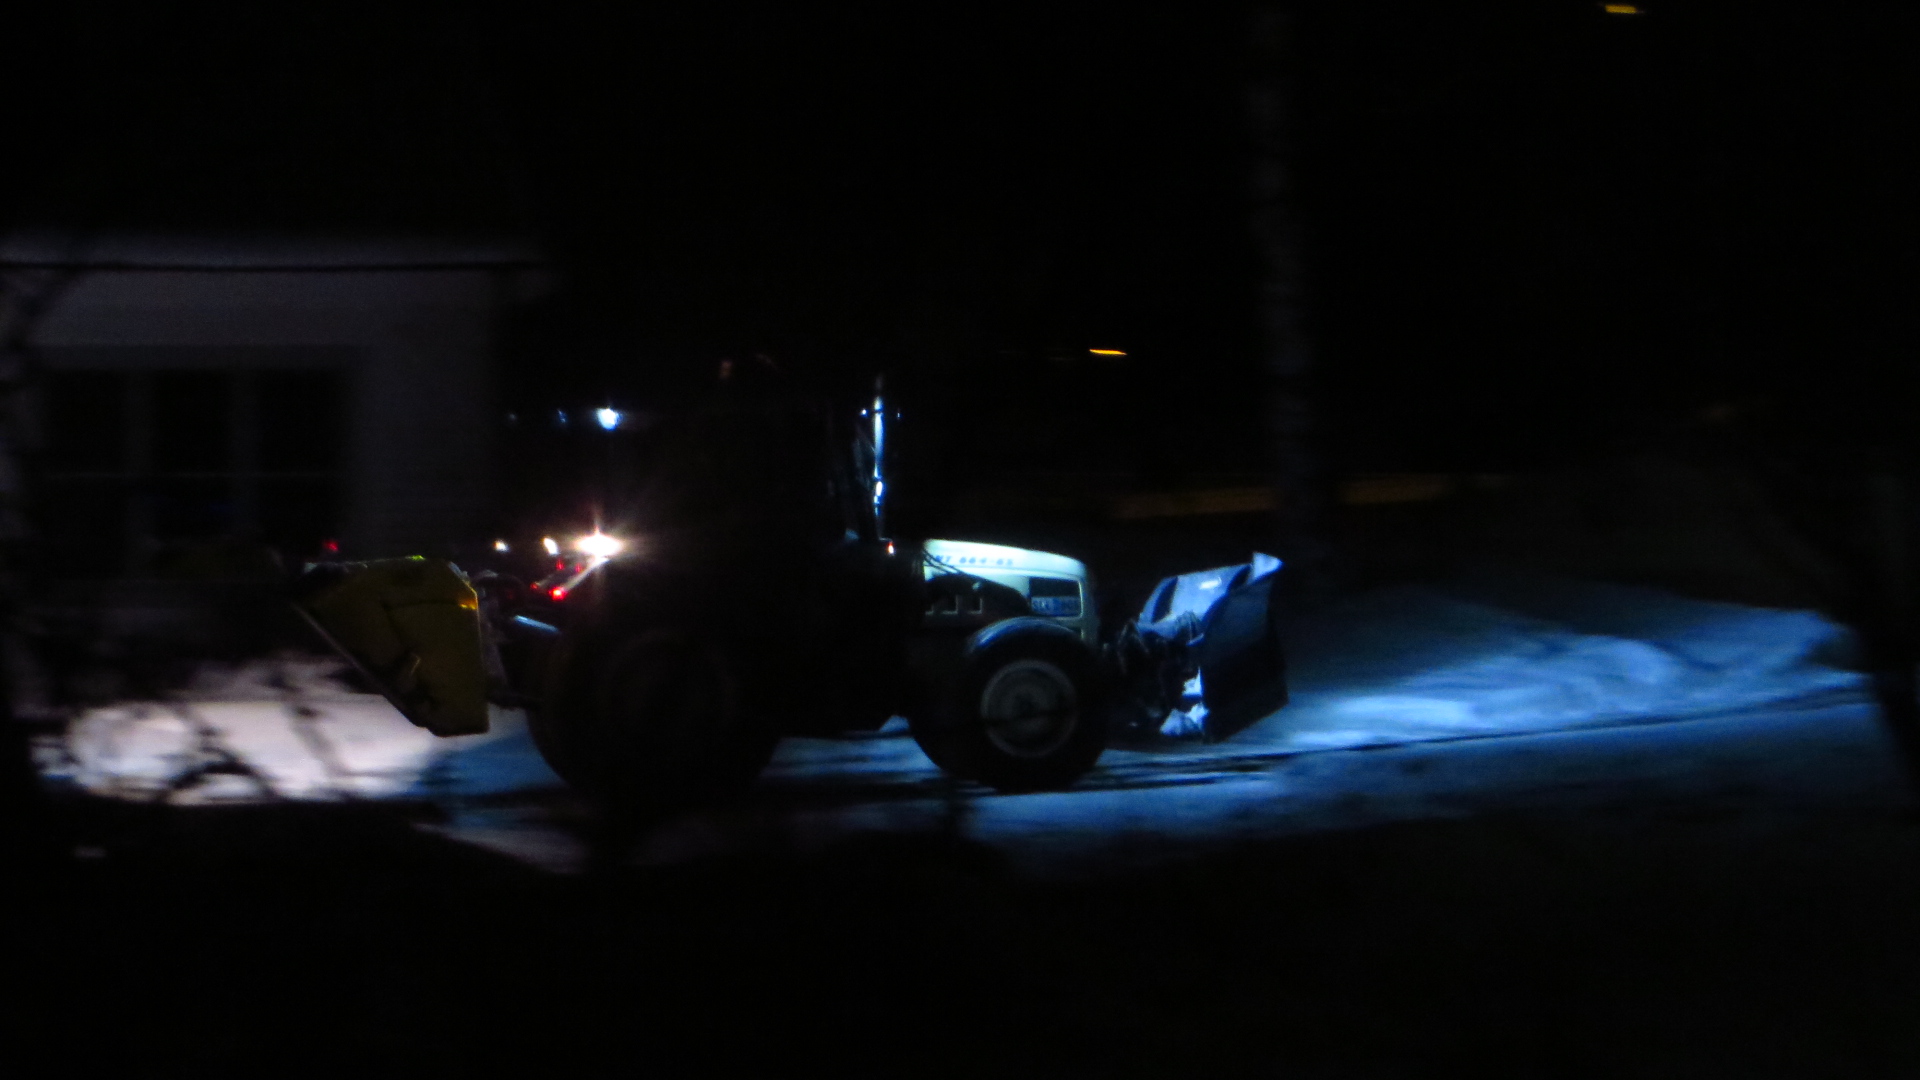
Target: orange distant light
(1620, 9)
(1107, 352)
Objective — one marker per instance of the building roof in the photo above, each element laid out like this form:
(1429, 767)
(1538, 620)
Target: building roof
(55, 249)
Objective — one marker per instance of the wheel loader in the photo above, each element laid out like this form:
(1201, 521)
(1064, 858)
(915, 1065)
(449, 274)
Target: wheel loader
(745, 589)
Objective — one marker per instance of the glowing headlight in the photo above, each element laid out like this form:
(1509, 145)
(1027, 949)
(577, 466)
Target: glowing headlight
(599, 545)
(553, 548)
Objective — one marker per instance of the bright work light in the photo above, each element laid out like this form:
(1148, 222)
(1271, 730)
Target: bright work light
(599, 545)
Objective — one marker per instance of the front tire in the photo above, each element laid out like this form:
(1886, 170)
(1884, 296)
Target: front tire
(1026, 712)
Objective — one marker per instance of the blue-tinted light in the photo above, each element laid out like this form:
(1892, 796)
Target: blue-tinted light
(609, 418)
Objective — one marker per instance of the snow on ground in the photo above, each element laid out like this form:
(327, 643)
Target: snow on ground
(1502, 656)
(285, 728)
(1409, 667)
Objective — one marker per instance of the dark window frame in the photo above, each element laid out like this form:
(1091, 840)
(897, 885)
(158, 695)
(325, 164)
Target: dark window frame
(242, 485)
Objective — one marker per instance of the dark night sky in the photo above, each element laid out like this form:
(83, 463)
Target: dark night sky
(1526, 224)
(1545, 224)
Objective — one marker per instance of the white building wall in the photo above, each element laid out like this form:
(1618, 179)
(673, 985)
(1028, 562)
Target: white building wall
(416, 345)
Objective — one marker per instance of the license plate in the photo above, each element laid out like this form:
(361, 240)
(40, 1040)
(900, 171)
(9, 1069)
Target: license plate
(1059, 607)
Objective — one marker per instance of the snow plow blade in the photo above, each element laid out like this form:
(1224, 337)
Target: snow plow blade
(1243, 671)
(1218, 633)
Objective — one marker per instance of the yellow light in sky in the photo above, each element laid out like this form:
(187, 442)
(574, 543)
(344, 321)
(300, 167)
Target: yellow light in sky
(1620, 9)
(1106, 352)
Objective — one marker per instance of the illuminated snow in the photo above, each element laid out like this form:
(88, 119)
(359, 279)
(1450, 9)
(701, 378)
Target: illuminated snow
(285, 729)
(1420, 662)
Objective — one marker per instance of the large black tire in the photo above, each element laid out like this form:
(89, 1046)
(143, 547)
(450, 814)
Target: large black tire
(649, 719)
(550, 738)
(1025, 713)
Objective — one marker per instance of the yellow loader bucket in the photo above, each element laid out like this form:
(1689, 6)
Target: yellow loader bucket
(412, 626)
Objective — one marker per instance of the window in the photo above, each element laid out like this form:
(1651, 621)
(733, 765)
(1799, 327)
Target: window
(190, 472)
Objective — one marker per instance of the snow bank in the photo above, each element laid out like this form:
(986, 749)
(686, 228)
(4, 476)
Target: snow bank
(1511, 655)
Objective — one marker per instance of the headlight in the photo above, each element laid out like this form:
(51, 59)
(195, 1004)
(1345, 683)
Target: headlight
(599, 545)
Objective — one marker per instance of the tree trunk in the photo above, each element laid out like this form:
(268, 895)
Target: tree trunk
(1285, 354)
(1852, 504)
(24, 300)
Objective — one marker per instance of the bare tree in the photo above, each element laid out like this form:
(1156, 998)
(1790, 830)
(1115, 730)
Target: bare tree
(1846, 488)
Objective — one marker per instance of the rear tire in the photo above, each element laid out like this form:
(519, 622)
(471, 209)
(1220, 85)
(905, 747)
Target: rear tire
(1026, 713)
(650, 719)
